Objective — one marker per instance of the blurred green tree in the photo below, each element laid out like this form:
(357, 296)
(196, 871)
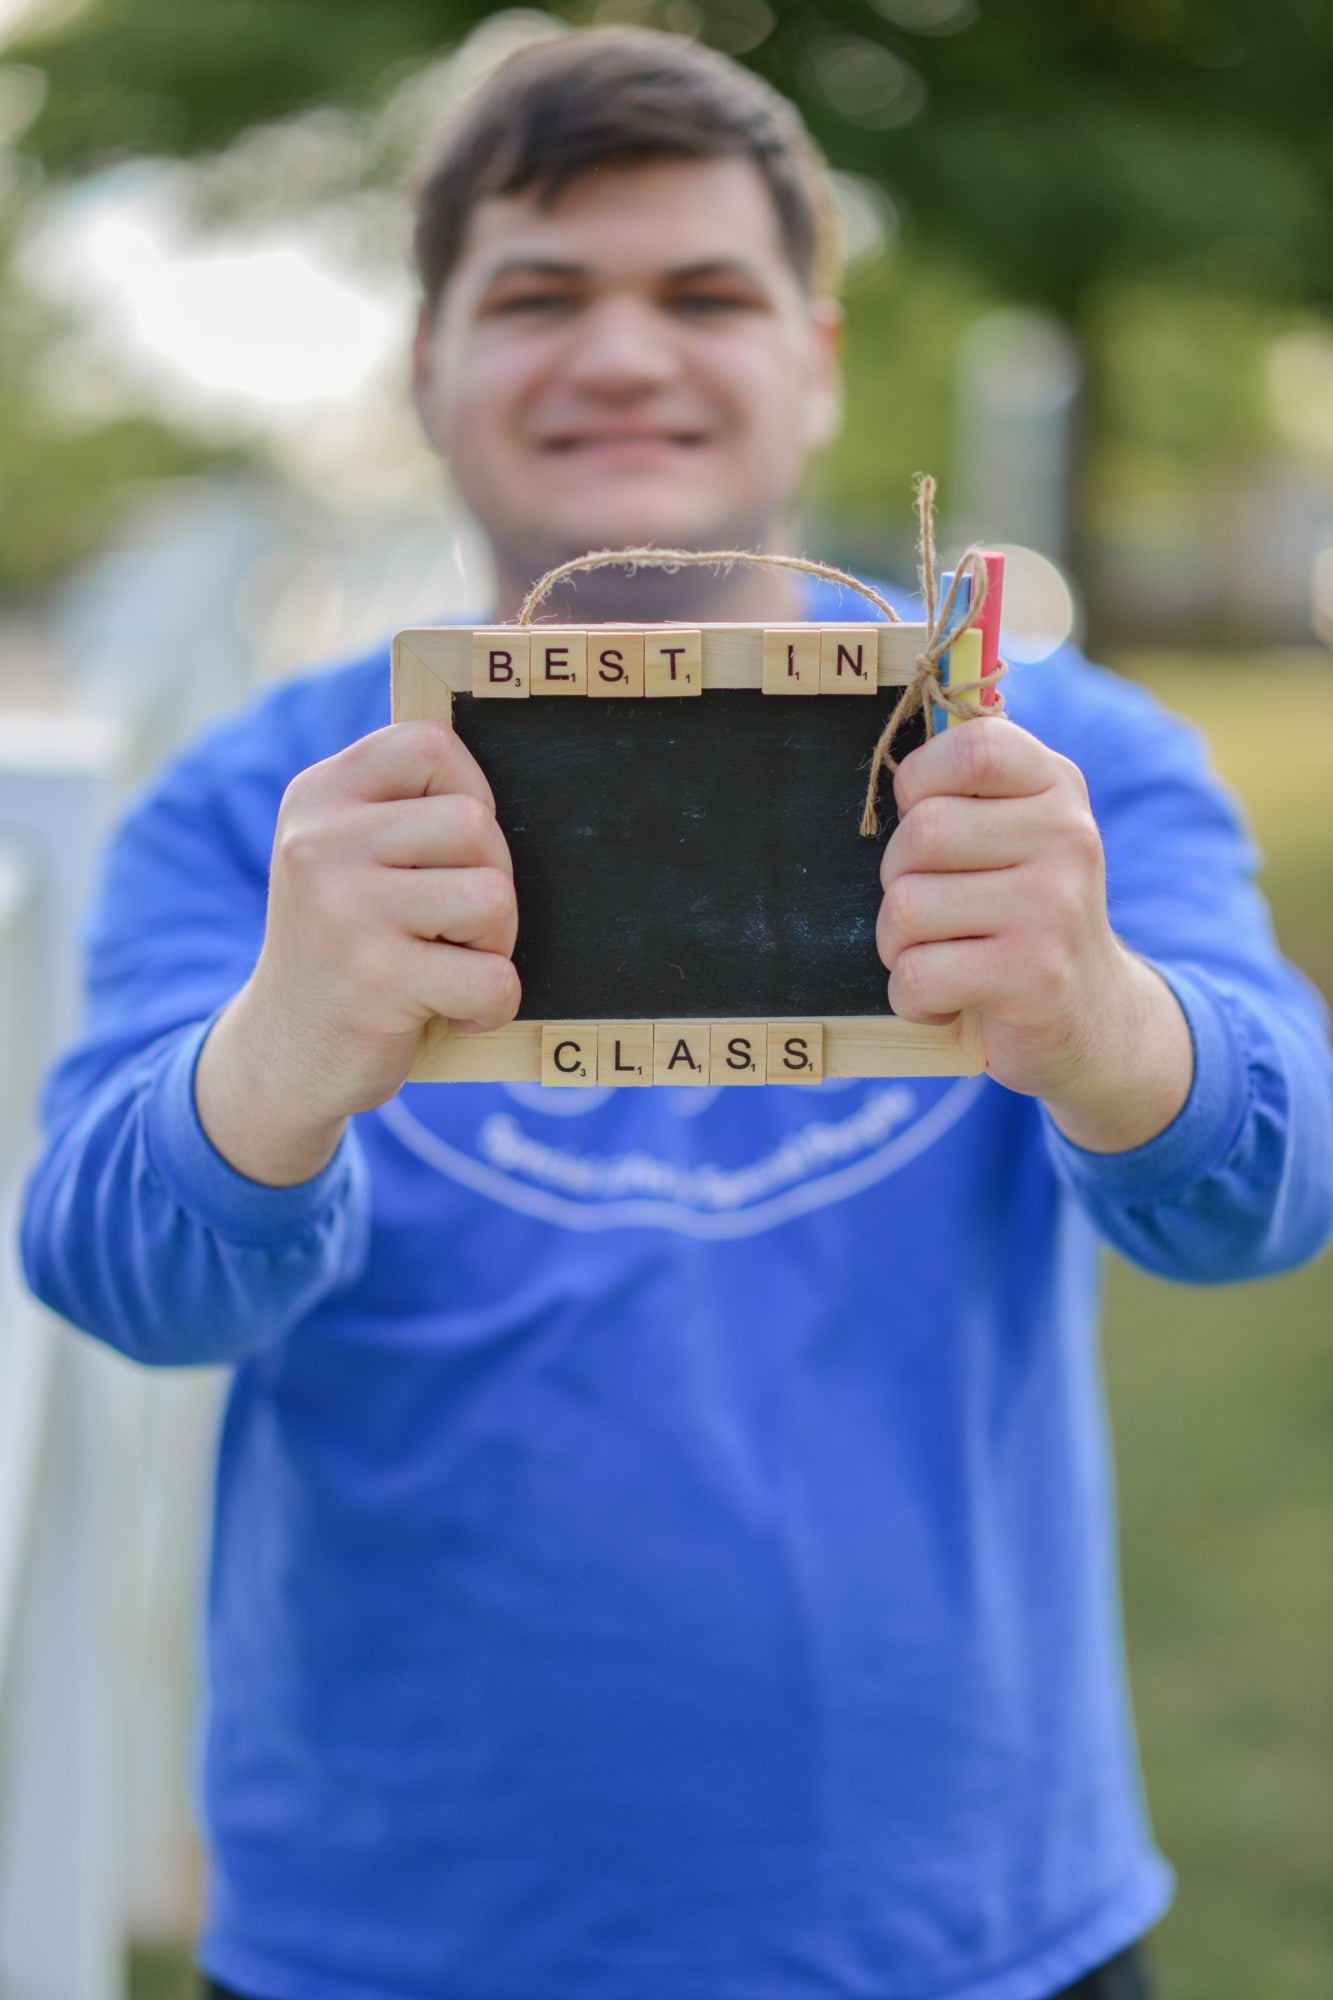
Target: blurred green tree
(1072, 157)
(1051, 145)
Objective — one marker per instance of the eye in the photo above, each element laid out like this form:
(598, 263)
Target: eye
(704, 303)
(532, 302)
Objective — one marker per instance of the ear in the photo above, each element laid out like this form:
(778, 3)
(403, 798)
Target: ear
(824, 405)
(425, 374)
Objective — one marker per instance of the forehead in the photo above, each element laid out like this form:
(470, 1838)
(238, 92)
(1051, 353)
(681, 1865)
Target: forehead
(634, 216)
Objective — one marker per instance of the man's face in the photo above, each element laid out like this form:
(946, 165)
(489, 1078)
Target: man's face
(637, 363)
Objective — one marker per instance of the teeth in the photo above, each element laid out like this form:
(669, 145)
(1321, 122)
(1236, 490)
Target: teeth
(586, 443)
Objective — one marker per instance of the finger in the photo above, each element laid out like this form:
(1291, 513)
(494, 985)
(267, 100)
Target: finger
(463, 984)
(943, 833)
(933, 982)
(926, 909)
(410, 760)
(473, 906)
(990, 758)
(452, 830)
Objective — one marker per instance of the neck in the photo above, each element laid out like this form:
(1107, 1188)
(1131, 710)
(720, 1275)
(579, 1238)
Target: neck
(741, 594)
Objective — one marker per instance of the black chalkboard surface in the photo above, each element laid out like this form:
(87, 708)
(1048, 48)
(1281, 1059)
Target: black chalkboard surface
(690, 857)
(696, 901)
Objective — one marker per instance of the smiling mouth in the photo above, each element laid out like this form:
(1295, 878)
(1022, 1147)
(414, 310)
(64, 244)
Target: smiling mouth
(567, 446)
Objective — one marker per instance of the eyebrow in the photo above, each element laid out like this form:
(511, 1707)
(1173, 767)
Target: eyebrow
(555, 267)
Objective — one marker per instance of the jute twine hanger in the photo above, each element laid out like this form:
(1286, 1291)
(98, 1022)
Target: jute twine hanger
(925, 691)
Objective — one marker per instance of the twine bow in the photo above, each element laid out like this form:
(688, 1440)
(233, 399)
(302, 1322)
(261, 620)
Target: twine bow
(925, 690)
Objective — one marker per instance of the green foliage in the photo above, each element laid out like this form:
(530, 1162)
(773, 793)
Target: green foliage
(904, 319)
(64, 485)
(61, 493)
(1047, 145)
(1158, 171)
(1180, 405)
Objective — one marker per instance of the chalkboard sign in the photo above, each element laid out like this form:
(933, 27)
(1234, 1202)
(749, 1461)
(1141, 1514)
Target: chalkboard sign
(696, 902)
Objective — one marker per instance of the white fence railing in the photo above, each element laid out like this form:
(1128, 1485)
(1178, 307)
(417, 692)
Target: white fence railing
(103, 1466)
(78, 1427)
(100, 1464)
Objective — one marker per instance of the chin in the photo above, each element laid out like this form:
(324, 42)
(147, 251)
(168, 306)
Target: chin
(679, 525)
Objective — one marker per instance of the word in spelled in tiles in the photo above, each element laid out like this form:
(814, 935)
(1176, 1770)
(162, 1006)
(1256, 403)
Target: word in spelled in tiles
(583, 1053)
(510, 663)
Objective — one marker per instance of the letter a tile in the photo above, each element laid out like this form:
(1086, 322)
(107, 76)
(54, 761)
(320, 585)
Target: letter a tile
(680, 1052)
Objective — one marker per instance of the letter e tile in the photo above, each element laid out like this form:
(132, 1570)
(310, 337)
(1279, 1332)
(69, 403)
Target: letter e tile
(559, 660)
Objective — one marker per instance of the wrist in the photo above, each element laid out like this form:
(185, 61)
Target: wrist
(245, 1101)
(1138, 1074)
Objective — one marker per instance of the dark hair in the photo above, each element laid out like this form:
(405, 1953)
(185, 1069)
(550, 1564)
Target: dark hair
(553, 110)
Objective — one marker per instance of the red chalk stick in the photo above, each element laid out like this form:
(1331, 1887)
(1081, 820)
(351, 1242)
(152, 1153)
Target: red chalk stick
(989, 621)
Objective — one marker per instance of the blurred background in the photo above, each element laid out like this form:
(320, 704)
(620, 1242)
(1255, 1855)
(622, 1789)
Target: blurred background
(1090, 273)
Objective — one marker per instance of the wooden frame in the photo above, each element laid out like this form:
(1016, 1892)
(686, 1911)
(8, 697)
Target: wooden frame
(431, 664)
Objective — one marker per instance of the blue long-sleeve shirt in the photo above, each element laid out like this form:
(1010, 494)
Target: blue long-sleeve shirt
(664, 1540)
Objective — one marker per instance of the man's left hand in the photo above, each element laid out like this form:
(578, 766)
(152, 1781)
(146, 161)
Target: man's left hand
(995, 900)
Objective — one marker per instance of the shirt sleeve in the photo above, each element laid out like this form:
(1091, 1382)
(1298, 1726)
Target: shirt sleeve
(134, 1226)
(1240, 1184)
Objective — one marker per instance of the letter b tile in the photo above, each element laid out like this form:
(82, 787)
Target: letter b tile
(500, 664)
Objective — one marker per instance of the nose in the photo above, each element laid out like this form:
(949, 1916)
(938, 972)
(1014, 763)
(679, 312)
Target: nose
(622, 347)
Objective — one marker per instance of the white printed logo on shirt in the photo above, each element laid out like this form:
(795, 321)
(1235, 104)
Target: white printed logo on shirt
(532, 1150)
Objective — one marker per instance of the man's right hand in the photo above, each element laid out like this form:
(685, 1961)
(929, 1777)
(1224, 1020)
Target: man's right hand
(391, 899)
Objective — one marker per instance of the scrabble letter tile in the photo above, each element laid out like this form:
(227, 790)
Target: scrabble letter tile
(615, 663)
(680, 1052)
(500, 663)
(569, 1053)
(738, 1052)
(672, 662)
(795, 1051)
(791, 660)
(559, 660)
(625, 1052)
(849, 659)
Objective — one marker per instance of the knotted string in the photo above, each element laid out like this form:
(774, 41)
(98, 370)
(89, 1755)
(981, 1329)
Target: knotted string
(925, 690)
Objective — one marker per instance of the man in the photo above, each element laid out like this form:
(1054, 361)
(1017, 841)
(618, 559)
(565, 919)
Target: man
(645, 1599)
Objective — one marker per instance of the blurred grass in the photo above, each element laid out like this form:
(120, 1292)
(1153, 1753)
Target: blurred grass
(1221, 1406)
(161, 1972)
(1221, 1402)
(1269, 722)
